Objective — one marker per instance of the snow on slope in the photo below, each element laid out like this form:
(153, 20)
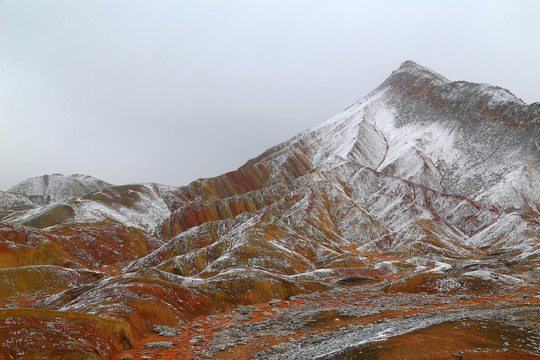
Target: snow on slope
(520, 189)
(409, 128)
(417, 130)
(11, 201)
(58, 187)
(145, 210)
(132, 205)
(474, 141)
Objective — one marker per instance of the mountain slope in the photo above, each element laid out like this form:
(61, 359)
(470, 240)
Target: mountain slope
(56, 187)
(425, 185)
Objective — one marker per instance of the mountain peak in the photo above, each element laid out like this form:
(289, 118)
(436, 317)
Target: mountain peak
(58, 187)
(409, 64)
(413, 71)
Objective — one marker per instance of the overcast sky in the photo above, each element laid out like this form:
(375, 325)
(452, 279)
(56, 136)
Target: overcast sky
(170, 91)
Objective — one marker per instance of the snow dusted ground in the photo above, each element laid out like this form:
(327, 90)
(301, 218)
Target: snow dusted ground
(58, 187)
(490, 162)
(143, 209)
(146, 211)
(11, 201)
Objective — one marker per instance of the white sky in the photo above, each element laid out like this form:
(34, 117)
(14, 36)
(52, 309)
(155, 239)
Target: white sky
(169, 91)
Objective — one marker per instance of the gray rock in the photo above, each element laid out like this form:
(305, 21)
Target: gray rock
(274, 302)
(244, 310)
(283, 347)
(245, 314)
(158, 345)
(197, 339)
(240, 318)
(165, 331)
(222, 347)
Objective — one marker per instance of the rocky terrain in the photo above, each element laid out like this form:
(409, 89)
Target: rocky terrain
(407, 226)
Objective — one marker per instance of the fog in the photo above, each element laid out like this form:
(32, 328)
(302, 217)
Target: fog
(171, 91)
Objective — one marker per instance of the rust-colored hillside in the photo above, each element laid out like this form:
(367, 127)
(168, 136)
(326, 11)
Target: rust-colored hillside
(407, 226)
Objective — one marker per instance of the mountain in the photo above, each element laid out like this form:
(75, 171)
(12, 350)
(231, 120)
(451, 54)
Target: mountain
(412, 216)
(51, 188)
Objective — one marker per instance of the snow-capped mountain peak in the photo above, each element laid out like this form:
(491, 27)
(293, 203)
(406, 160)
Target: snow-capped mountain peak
(57, 187)
(411, 71)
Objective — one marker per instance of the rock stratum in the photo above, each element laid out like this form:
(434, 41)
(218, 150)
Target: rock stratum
(407, 226)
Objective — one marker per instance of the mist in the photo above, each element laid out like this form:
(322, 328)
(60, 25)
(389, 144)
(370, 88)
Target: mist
(171, 91)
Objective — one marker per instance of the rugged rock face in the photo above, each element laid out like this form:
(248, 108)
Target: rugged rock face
(423, 186)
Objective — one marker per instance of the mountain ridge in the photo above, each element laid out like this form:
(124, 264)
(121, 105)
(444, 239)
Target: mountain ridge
(423, 192)
(56, 187)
